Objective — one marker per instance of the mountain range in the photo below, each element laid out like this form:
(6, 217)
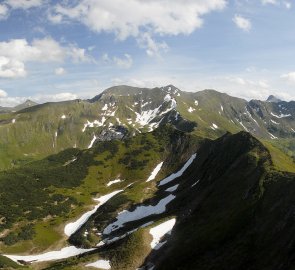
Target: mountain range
(139, 178)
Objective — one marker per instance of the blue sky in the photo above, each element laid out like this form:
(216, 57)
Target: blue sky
(56, 50)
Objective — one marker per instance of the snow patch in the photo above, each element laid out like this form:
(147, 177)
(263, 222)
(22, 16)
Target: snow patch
(241, 123)
(167, 98)
(276, 123)
(118, 120)
(114, 182)
(63, 117)
(140, 212)
(92, 142)
(281, 115)
(95, 123)
(194, 184)
(155, 172)
(13, 121)
(70, 161)
(196, 102)
(214, 126)
(272, 136)
(101, 264)
(179, 173)
(105, 107)
(64, 253)
(159, 231)
(72, 227)
(190, 109)
(171, 189)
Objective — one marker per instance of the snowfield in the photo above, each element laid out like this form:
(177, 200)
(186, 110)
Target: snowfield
(92, 141)
(179, 173)
(101, 264)
(173, 188)
(64, 253)
(140, 212)
(155, 172)
(159, 231)
(71, 228)
(114, 182)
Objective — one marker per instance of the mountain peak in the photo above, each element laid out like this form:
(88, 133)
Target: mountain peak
(273, 99)
(28, 103)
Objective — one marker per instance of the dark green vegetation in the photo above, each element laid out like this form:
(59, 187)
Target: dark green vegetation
(45, 194)
(240, 214)
(234, 205)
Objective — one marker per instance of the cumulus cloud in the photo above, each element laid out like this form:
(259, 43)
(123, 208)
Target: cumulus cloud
(60, 71)
(289, 76)
(2, 93)
(124, 62)
(242, 23)
(15, 53)
(139, 19)
(11, 68)
(152, 47)
(8, 5)
(3, 12)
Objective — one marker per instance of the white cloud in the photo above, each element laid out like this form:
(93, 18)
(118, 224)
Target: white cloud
(24, 4)
(153, 48)
(15, 53)
(55, 97)
(286, 4)
(60, 71)
(242, 23)
(137, 18)
(124, 62)
(2, 93)
(289, 76)
(3, 12)
(8, 101)
(272, 2)
(11, 68)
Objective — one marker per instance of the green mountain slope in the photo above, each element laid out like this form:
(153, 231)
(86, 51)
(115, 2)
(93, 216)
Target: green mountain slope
(121, 111)
(230, 206)
(99, 176)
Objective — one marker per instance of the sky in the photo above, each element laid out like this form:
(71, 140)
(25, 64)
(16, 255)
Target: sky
(58, 50)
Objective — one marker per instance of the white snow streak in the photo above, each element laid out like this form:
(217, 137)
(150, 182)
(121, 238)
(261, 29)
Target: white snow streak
(101, 264)
(114, 182)
(171, 189)
(92, 141)
(64, 253)
(159, 231)
(179, 173)
(71, 228)
(140, 212)
(155, 172)
(281, 115)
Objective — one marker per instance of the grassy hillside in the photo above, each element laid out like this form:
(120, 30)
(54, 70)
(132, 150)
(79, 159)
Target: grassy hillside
(44, 195)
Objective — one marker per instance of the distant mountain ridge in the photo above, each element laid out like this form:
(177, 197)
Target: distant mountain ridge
(28, 103)
(120, 111)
